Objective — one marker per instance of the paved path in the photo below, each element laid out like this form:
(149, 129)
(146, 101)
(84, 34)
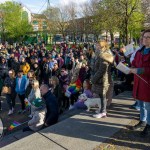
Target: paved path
(81, 131)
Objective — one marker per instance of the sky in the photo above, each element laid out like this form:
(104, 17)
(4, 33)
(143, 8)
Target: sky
(36, 6)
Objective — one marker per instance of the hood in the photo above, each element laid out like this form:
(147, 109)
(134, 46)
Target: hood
(107, 56)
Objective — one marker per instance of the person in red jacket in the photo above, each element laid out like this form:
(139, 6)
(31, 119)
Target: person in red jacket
(141, 89)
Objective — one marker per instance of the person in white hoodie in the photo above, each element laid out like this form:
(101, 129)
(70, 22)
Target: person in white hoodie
(34, 94)
(37, 121)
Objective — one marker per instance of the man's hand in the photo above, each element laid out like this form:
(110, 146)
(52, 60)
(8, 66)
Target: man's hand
(133, 70)
(46, 124)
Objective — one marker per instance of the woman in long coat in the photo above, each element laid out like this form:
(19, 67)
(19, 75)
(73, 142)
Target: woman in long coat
(102, 75)
(141, 88)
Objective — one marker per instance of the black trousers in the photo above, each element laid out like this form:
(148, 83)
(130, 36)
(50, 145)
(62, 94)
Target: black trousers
(74, 98)
(103, 102)
(10, 100)
(22, 97)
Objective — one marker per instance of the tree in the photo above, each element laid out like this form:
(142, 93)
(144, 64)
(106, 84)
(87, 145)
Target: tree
(58, 19)
(123, 16)
(146, 11)
(130, 12)
(13, 23)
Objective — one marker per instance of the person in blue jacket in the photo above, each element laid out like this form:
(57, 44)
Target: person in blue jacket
(20, 89)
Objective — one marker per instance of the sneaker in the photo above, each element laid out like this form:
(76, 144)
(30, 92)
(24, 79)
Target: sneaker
(100, 115)
(23, 111)
(26, 129)
(146, 131)
(20, 111)
(30, 116)
(13, 109)
(71, 107)
(97, 111)
(138, 126)
(10, 112)
(137, 108)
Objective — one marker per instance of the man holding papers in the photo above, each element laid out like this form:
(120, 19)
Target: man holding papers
(141, 89)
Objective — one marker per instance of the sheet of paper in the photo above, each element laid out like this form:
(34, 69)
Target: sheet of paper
(123, 68)
(129, 49)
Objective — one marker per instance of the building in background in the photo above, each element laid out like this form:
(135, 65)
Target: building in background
(39, 22)
(26, 13)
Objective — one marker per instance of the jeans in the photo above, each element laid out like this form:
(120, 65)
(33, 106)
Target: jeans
(10, 101)
(143, 111)
(147, 107)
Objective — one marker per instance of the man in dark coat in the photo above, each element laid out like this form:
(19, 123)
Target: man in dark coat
(51, 105)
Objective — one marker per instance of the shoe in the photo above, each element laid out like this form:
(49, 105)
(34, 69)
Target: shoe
(137, 108)
(23, 111)
(97, 111)
(100, 115)
(26, 129)
(20, 111)
(71, 107)
(30, 116)
(146, 131)
(138, 126)
(13, 109)
(10, 112)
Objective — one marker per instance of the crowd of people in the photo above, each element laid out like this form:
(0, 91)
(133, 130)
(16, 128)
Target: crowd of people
(51, 81)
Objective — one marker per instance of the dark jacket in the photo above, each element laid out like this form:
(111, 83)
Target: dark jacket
(15, 66)
(141, 89)
(102, 73)
(9, 82)
(52, 108)
(3, 70)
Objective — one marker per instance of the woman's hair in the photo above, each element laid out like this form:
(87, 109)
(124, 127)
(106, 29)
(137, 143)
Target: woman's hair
(13, 73)
(148, 30)
(104, 44)
(88, 84)
(35, 83)
(54, 78)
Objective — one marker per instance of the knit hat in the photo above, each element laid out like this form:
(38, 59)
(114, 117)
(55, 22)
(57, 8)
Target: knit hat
(37, 102)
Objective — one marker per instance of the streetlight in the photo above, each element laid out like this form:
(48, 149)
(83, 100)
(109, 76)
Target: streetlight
(76, 30)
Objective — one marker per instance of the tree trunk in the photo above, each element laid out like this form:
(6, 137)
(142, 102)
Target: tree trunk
(126, 33)
(112, 38)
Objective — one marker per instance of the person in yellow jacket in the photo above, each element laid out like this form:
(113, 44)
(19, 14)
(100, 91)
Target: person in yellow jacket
(24, 66)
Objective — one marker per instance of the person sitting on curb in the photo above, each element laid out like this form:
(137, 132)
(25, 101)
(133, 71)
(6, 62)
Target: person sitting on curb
(37, 121)
(51, 106)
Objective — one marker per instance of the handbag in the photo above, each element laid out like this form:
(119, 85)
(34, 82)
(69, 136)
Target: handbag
(6, 90)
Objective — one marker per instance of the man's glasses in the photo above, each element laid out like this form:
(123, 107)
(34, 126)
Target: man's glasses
(146, 37)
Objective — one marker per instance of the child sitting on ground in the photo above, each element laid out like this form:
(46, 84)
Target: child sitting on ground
(73, 91)
(83, 97)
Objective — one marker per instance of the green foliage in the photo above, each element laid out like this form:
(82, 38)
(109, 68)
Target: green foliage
(124, 16)
(14, 22)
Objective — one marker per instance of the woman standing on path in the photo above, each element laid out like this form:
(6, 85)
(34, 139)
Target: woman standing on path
(141, 88)
(102, 75)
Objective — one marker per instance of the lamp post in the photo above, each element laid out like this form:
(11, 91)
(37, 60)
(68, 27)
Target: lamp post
(76, 29)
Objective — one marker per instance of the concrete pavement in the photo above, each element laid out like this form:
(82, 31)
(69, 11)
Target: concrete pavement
(81, 131)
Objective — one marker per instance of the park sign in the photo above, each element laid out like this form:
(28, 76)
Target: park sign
(1, 129)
